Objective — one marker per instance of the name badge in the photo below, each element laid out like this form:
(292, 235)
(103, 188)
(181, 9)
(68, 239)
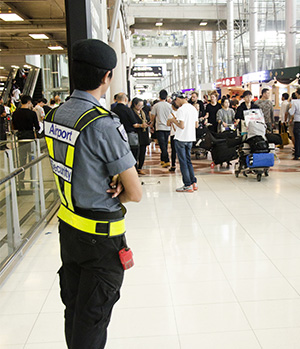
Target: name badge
(123, 133)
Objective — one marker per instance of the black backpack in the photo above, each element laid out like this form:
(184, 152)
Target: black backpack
(258, 144)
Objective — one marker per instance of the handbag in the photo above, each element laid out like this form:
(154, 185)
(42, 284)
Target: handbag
(133, 139)
(284, 136)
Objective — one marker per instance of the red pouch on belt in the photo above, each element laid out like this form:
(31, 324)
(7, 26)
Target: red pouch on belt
(126, 258)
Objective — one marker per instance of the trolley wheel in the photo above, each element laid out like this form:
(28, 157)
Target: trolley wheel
(266, 173)
(245, 174)
(236, 173)
(258, 177)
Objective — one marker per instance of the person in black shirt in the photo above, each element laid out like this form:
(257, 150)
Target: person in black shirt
(248, 104)
(26, 122)
(129, 121)
(46, 106)
(211, 111)
(195, 101)
(143, 131)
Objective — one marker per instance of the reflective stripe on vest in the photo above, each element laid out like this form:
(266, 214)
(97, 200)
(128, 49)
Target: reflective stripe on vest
(63, 173)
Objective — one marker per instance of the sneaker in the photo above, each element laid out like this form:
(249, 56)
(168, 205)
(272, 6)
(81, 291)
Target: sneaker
(185, 189)
(195, 186)
(172, 169)
(166, 164)
(141, 172)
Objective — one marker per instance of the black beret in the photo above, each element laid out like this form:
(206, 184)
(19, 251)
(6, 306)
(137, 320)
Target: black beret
(94, 52)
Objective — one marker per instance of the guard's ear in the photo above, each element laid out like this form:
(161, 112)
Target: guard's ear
(107, 77)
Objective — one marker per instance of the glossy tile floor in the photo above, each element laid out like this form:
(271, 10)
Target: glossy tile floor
(215, 269)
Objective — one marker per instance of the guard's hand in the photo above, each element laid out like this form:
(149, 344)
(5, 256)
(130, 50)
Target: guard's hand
(116, 187)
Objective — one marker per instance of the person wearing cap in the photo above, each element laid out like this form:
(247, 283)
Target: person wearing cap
(94, 172)
(186, 122)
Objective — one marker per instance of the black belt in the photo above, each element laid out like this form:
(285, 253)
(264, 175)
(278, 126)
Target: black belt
(99, 215)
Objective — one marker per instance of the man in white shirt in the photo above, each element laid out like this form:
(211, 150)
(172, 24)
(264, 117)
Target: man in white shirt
(295, 117)
(185, 135)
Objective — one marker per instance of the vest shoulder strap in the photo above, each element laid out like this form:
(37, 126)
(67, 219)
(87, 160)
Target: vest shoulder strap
(89, 116)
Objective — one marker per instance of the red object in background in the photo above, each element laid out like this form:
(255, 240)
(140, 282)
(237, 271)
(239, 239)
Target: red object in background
(230, 82)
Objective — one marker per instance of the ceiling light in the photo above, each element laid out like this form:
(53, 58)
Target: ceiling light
(149, 56)
(203, 24)
(26, 66)
(39, 36)
(175, 55)
(2, 68)
(55, 48)
(15, 66)
(159, 24)
(10, 17)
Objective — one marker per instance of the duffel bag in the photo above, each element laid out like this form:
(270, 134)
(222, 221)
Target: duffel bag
(260, 160)
(222, 153)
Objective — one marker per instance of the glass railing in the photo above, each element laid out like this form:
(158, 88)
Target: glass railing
(28, 194)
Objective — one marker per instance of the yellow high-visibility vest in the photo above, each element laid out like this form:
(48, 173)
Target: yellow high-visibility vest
(66, 138)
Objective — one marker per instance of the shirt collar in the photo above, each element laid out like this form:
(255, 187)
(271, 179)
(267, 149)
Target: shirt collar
(86, 96)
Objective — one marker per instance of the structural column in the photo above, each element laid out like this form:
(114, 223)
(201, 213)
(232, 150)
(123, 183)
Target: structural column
(195, 75)
(204, 60)
(230, 38)
(116, 84)
(189, 60)
(253, 36)
(183, 73)
(215, 56)
(290, 31)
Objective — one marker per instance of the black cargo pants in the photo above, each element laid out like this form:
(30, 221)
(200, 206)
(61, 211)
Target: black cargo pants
(90, 279)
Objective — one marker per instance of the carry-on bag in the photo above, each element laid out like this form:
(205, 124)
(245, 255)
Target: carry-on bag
(260, 160)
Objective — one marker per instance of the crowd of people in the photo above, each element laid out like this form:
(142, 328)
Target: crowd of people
(172, 118)
(158, 120)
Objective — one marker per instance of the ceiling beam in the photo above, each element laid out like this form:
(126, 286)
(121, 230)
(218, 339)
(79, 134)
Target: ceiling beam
(29, 28)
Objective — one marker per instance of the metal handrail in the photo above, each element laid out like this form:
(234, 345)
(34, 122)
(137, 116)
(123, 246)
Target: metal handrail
(22, 169)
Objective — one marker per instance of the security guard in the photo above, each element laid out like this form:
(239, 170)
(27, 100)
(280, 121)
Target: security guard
(94, 172)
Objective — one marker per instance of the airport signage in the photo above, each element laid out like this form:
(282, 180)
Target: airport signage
(230, 82)
(147, 72)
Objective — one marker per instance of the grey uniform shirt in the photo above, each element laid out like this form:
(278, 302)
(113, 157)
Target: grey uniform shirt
(101, 152)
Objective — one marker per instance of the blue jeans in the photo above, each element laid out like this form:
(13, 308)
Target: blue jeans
(297, 139)
(183, 150)
(163, 138)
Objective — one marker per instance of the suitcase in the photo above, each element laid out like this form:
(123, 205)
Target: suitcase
(222, 153)
(260, 160)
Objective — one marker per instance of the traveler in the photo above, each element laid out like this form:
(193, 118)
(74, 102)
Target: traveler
(225, 116)
(284, 112)
(159, 116)
(185, 134)
(128, 119)
(265, 104)
(195, 101)
(40, 110)
(2, 126)
(95, 173)
(25, 120)
(211, 111)
(172, 135)
(142, 129)
(295, 118)
(246, 105)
